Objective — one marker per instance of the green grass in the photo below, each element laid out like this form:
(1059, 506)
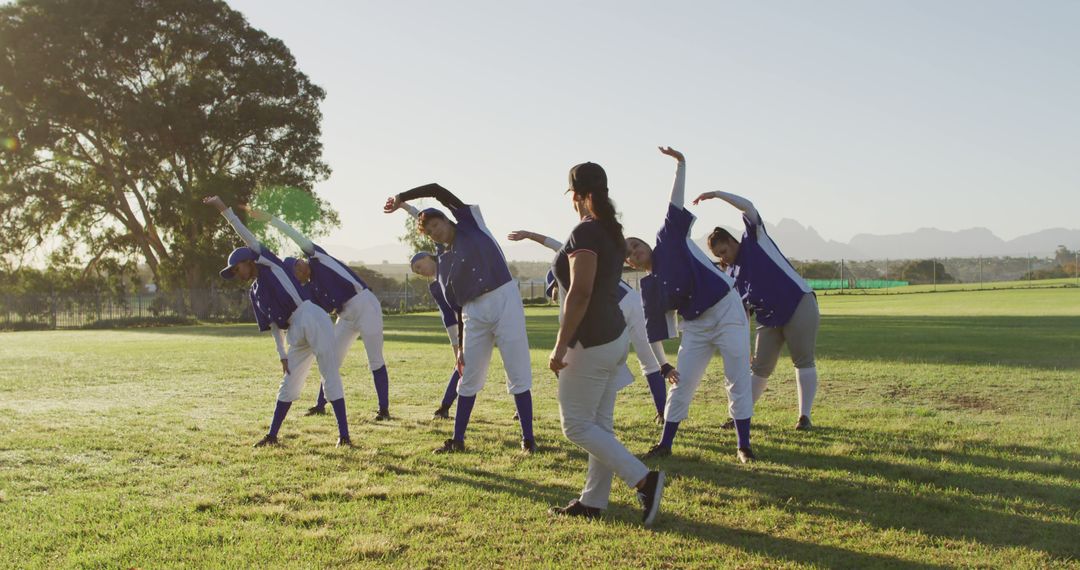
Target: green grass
(948, 435)
(952, 287)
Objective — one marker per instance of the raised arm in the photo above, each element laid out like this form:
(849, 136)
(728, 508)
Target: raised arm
(678, 189)
(412, 210)
(305, 243)
(245, 234)
(444, 196)
(744, 205)
(550, 243)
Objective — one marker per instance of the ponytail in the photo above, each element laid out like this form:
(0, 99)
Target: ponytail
(603, 211)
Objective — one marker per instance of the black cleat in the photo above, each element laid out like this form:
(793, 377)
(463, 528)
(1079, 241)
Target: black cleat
(451, 446)
(658, 451)
(575, 509)
(649, 496)
(344, 442)
(730, 424)
(267, 440)
(443, 413)
(804, 424)
(745, 455)
(316, 411)
(528, 446)
(383, 415)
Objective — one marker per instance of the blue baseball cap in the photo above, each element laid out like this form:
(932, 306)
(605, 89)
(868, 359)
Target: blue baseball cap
(290, 266)
(239, 254)
(418, 256)
(432, 212)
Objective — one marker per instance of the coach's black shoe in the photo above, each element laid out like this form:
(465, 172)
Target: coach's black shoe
(443, 413)
(804, 424)
(383, 415)
(730, 424)
(316, 411)
(451, 446)
(267, 440)
(649, 496)
(528, 446)
(575, 509)
(344, 442)
(657, 452)
(745, 455)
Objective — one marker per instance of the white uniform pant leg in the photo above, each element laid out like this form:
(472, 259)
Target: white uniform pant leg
(311, 335)
(345, 334)
(598, 478)
(639, 337)
(733, 341)
(513, 340)
(586, 404)
(370, 326)
(300, 357)
(477, 343)
(695, 352)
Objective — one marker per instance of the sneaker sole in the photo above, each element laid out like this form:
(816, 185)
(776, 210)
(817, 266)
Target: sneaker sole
(656, 503)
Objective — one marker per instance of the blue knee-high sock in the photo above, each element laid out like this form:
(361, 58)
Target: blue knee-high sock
(742, 432)
(339, 414)
(321, 402)
(382, 387)
(280, 410)
(461, 419)
(451, 389)
(669, 433)
(524, 408)
(658, 389)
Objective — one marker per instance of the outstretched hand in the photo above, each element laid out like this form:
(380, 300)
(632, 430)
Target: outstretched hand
(518, 235)
(672, 153)
(703, 197)
(216, 202)
(256, 214)
(393, 203)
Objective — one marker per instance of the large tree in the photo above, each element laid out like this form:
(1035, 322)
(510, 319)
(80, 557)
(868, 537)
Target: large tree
(117, 116)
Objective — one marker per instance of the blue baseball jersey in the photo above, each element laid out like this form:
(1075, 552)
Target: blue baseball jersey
(449, 312)
(474, 264)
(275, 294)
(683, 279)
(332, 283)
(765, 278)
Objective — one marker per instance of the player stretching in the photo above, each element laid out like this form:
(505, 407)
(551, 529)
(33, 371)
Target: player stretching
(682, 279)
(280, 305)
(784, 305)
(474, 276)
(337, 289)
(654, 365)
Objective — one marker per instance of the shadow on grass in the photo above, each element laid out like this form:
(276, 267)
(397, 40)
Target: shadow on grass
(992, 514)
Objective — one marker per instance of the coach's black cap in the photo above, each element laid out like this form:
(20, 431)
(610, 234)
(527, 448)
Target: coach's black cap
(588, 177)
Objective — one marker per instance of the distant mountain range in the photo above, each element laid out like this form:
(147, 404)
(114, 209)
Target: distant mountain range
(805, 243)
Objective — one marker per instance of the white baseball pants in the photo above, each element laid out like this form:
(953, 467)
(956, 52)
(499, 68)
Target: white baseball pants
(495, 318)
(311, 337)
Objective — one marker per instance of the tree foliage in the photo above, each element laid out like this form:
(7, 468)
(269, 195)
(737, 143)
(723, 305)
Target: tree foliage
(118, 116)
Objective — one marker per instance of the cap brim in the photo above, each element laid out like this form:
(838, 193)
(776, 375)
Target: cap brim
(228, 273)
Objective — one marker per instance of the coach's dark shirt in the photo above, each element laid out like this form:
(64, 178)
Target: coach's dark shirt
(603, 320)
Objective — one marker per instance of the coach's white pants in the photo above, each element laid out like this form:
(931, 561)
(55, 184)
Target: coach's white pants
(311, 337)
(722, 327)
(495, 318)
(635, 327)
(587, 389)
(361, 317)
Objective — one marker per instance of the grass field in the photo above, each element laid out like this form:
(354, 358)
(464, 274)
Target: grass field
(948, 434)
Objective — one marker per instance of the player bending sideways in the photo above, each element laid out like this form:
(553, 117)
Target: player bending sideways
(473, 274)
(681, 279)
(282, 307)
(784, 305)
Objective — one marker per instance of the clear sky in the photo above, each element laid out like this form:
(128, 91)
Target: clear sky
(851, 117)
